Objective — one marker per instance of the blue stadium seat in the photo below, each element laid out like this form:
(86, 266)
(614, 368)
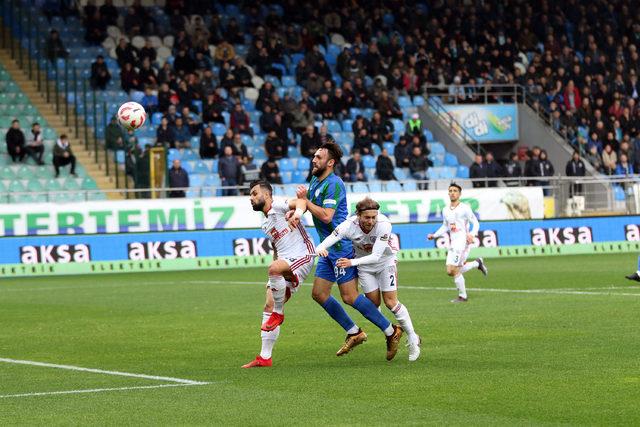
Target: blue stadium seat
(247, 140)
(218, 129)
(399, 173)
(359, 187)
(462, 172)
(409, 186)
(333, 126)
(303, 164)
(173, 154)
(201, 167)
(618, 193)
(347, 125)
(369, 162)
(376, 150)
(375, 187)
(156, 118)
(195, 142)
(433, 173)
(286, 165)
(450, 159)
(436, 147)
(189, 166)
(288, 81)
(418, 101)
(448, 172)
(393, 187)
(404, 102)
(427, 134)
(390, 146)
(196, 180)
(437, 159)
(299, 177)
(286, 177)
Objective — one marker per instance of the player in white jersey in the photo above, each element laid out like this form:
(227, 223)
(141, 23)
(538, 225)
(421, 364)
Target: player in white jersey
(376, 260)
(292, 262)
(457, 219)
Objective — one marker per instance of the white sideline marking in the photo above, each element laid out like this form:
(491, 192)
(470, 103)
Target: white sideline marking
(100, 371)
(97, 390)
(559, 291)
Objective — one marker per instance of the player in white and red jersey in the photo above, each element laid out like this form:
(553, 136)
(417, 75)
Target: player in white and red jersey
(293, 260)
(462, 225)
(376, 249)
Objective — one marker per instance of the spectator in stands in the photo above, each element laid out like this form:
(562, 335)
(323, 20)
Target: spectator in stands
(63, 155)
(178, 180)
(35, 144)
(149, 101)
(388, 107)
(310, 142)
(384, 166)
(132, 23)
(414, 126)
(302, 118)
(478, 171)
(229, 171)
(147, 75)
(184, 64)
(609, 160)
(267, 119)
(109, 13)
(324, 107)
(493, 169)
(324, 135)
(274, 147)
(181, 134)
(55, 47)
(239, 121)
(362, 142)
(594, 158)
(575, 167)
(271, 172)
(241, 74)
(402, 153)
(96, 28)
(624, 167)
(532, 165)
(100, 75)
(129, 78)
(213, 109)
(15, 142)
(546, 170)
(512, 171)
(208, 144)
(113, 136)
(191, 121)
(418, 165)
(354, 171)
(148, 52)
(341, 102)
(126, 53)
(249, 171)
(381, 130)
(238, 147)
(165, 134)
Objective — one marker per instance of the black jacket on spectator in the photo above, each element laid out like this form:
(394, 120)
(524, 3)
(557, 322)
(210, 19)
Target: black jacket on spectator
(493, 171)
(276, 148)
(309, 145)
(512, 169)
(165, 136)
(178, 178)
(208, 146)
(478, 171)
(353, 168)
(15, 144)
(271, 172)
(384, 168)
(402, 153)
(575, 168)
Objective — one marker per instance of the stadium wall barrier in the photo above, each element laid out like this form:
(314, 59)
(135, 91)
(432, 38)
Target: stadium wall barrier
(487, 122)
(135, 216)
(213, 249)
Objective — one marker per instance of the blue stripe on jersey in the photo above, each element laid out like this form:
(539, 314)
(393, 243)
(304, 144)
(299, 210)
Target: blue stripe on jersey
(330, 193)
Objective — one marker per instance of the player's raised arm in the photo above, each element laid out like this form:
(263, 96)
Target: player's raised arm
(299, 207)
(333, 238)
(325, 212)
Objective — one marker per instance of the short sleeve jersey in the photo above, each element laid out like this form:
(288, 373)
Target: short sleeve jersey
(289, 243)
(330, 193)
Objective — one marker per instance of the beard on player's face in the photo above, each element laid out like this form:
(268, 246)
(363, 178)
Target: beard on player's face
(258, 205)
(317, 171)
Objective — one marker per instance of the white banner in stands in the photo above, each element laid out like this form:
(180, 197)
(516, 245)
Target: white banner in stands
(130, 216)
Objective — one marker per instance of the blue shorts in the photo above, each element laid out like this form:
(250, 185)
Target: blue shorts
(326, 269)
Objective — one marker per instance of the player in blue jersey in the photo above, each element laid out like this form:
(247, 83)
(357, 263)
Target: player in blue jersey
(327, 201)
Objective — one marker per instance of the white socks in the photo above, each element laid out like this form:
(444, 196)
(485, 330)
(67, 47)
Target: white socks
(268, 338)
(278, 289)
(459, 281)
(469, 266)
(402, 315)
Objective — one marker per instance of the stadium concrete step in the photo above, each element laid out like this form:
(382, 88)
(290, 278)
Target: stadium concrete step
(86, 157)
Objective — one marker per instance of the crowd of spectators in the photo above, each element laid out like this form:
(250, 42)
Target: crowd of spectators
(578, 61)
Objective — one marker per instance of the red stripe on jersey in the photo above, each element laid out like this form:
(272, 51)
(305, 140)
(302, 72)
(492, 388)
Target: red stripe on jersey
(305, 237)
(300, 262)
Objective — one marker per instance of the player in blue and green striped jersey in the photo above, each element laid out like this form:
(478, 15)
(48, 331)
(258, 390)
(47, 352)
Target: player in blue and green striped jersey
(327, 201)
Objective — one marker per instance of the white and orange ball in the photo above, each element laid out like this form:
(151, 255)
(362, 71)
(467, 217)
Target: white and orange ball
(131, 115)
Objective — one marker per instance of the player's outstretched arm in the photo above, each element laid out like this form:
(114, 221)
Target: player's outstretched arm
(324, 214)
(379, 246)
(299, 206)
(440, 231)
(332, 239)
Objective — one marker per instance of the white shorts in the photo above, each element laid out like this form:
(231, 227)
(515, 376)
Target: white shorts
(458, 256)
(300, 267)
(386, 279)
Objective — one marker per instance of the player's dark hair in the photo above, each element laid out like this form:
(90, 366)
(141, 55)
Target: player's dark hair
(334, 151)
(453, 184)
(262, 184)
(367, 204)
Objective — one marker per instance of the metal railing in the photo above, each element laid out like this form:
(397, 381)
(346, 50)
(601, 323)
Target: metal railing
(450, 122)
(487, 93)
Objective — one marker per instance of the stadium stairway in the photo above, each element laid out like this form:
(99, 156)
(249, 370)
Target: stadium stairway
(84, 157)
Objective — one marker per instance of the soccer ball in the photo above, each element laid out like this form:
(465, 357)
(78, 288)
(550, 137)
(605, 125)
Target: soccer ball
(131, 115)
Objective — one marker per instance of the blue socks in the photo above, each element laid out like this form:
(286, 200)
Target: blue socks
(371, 312)
(638, 263)
(337, 312)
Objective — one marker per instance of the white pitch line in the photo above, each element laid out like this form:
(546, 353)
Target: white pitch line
(559, 291)
(101, 371)
(97, 390)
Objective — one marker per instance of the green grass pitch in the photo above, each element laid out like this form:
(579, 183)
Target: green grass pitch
(549, 340)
